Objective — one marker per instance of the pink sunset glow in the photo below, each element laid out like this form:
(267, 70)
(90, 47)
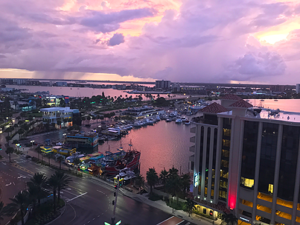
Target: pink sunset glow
(179, 40)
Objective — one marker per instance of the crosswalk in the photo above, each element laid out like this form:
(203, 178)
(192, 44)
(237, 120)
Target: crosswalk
(22, 168)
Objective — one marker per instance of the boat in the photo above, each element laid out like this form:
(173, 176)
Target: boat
(137, 125)
(187, 122)
(168, 120)
(178, 121)
(149, 122)
(276, 100)
(183, 119)
(262, 100)
(129, 160)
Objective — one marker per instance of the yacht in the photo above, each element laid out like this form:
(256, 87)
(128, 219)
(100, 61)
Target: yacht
(184, 119)
(168, 120)
(178, 121)
(187, 122)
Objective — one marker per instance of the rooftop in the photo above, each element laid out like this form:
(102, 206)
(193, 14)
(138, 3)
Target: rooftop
(230, 97)
(276, 115)
(54, 109)
(241, 104)
(213, 108)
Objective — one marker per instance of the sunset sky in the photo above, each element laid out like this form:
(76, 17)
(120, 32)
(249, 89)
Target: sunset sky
(245, 41)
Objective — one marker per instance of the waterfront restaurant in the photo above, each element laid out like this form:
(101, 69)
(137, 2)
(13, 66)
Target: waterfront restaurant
(56, 114)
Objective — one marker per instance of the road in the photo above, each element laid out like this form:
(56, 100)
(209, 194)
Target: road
(89, 201)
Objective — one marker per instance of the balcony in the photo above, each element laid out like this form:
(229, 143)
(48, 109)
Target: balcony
(193, 148)
(193, 130)
(193, 139)
(192, 158)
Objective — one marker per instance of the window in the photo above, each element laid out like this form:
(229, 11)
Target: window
(247, 182)
(270, 190)
(225, 153)
(227, 132)
(226, 143)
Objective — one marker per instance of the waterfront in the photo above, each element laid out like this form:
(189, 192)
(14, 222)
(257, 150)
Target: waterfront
(162, 145)
(292, 105)
(80, 91)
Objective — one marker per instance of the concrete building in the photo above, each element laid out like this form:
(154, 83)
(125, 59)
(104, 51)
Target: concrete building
(297, 88)
(55, 114)
(246, 161)
(162, 84)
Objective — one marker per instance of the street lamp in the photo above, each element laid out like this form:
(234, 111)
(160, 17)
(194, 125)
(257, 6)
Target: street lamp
(32, 141)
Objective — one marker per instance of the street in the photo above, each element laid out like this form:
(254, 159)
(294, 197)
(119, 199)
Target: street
(88, 201)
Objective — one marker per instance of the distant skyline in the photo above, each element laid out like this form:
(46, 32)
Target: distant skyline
(236, 41)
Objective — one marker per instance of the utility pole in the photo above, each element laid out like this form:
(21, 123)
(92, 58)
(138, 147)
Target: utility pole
(115, 201)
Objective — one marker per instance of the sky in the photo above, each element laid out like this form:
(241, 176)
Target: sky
(241, 41)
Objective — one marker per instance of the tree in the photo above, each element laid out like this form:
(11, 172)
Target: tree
(1, 210)
(152, 178)
(76, 162)
(229, 218)
(186, 182)
(9, 151)
(63, 181)
(49, 157)
(33, 195)
(173, 183)
(53, 182)
(190, 206)
(163, 177)
(38, 180)
(139, 181)
(21, 131)
(19, 202)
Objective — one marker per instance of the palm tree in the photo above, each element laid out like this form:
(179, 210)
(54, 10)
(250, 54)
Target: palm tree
(151, 178)
(163, 177)
(76, 162)
(229, 218)
(33, 195)
(19, 202)
(63, 181)
(186, 182)
(190, 206)
(53, 182)
(38, 180)
(9, 151)
(173, 185)
(139, 181)
(1, 210)
(173, 171)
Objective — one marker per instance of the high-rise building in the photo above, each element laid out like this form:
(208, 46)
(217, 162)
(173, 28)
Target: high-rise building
(297, 88)
(246, 160)
(162, 84)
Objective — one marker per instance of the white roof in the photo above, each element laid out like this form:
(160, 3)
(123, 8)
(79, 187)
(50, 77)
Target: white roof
(55, 109)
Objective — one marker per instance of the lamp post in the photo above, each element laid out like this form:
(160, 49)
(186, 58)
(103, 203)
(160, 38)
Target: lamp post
(32, 141)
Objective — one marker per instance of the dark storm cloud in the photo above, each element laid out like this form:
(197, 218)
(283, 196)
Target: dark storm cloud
(116, 39)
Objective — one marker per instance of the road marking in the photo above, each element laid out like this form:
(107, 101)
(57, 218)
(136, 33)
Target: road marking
(14, 183)
(8, 184)
(77, 197)
(172, 219)
(4, 163)
(101, 192)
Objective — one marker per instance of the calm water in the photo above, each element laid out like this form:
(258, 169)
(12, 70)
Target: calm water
(292, 105)
(76, 91)
(162, 145)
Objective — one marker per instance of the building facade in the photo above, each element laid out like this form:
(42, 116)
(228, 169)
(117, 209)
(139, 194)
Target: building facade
(297, 88)
(162, 84)
(61, 116)
(248, 160)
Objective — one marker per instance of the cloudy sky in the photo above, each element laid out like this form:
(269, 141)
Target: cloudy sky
(250, 41)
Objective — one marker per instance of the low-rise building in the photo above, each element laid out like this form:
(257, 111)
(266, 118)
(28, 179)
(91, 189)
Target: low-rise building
(82, 141)
(61, 116)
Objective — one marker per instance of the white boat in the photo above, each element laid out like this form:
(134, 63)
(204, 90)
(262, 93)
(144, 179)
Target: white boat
(178, 121)
(157, 118)
(168, 120)
(187, 122)
(183, 119)
(149, 122)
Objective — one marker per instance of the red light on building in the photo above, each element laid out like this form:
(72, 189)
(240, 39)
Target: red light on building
(232, 202)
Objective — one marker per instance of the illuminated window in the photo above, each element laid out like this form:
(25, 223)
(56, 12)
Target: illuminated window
(226, 132)
(224, 164)
(225, 153)
(287, 204)
(265, 197)
(226, 143)
(247, 182)
(284, 215)
(270, 189)
(264, 208)
(247, 203)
